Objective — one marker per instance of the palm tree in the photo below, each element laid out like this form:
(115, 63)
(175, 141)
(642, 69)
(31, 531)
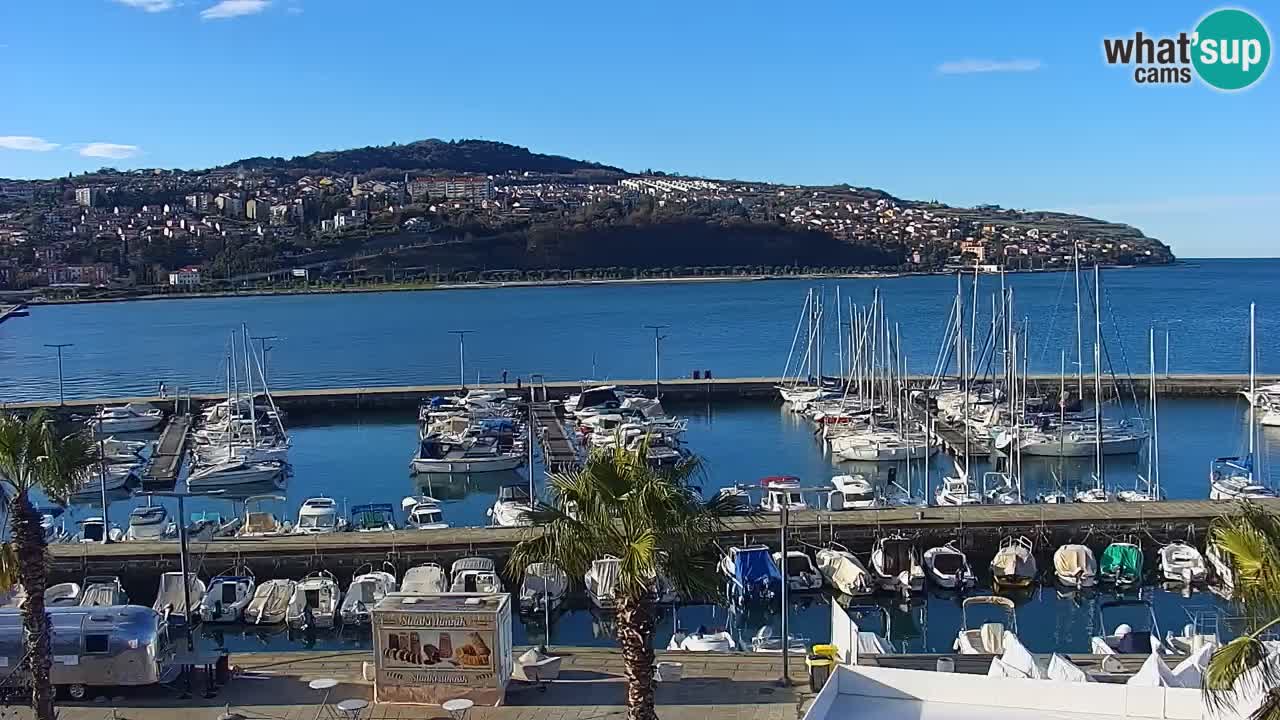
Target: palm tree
(33, 455)
(1242, 669)
(653, 521)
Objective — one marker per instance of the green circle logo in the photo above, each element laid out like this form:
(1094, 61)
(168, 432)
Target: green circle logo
(1232, 49)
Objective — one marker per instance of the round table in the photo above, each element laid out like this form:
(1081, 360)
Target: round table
(350, 709)
(327, 685)
(458, 707)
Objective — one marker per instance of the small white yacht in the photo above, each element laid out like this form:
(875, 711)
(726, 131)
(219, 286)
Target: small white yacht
(702, 640)
(92, 530)
(475, 574)
(134, 417)
(103, 591)
(437, 454)
(896, 566)
(236, 472)
(372, 517)
(1232, 478)
(1014, 564)
(260, 522)
(956, 491)
(512, 506)
(948, 567)
(852, 492)
(1124, 639)
(423, 513)
(800, 575)
(272, 602)
(1182, 563)
(989, 638)
(171, 600)
(65, 594)
(365, 591)
(318, 516)
(780, 492)
(543, 588)
(316, 601)
(1074, 566)
(425, 579)
(149, 523)
(226, 597)
(844, 572)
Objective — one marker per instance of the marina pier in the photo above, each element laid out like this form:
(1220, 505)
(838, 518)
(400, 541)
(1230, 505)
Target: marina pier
(977, 527)
(683, 389)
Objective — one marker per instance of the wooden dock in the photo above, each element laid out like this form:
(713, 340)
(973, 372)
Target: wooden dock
(166, 461)
(406, 397)
(978, 528)
(558, 452)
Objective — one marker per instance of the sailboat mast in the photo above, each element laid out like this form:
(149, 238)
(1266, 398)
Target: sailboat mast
(1152, 487)
(1097, 372)
(1252, 381)
(839, 333)
(248, 384)
(1075, 254)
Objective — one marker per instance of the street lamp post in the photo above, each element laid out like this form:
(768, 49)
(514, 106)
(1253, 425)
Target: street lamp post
(262, 339)
(182, 549)
(657, 357)
(462, 355)
(782, 552)
(62, 399)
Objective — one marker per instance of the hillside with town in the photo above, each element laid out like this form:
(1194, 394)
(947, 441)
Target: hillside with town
(465, 211)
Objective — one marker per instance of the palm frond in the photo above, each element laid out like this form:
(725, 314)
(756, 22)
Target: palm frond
(1239, 670)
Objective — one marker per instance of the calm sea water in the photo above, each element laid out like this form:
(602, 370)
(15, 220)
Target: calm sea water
(730, 328)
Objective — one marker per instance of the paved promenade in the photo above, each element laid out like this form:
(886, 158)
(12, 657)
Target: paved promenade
(591, 687)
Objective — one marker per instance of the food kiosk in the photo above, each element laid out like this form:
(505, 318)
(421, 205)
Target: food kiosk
(432, 648)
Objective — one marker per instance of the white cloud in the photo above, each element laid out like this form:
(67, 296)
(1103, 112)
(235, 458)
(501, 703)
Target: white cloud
(965, 67)
(233, 8)
(113, 151)
(26, 142)
(151, 6)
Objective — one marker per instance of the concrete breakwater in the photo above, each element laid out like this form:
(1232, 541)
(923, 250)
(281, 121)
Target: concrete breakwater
(679, 389)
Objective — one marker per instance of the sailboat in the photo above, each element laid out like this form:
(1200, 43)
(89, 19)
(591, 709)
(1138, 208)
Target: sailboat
(800, 390)
(1233, 478)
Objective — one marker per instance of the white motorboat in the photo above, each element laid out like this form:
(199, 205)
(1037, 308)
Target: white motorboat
(1232, 478)
(115, 477)
(844, 572)
(1182, 563)
(801, 395)
(879, 445)
(365, 591)
(103, 591)
(207, 525)
(956, 491)
(1079, 440)
(1074, 566)
(149, 523)
(437, 454)
(236, 472)
(800, 574)
(475, 575)
(134, 417)
(780, 492)
(265, 450)
(948, 567)
(318, 516)
(764, 641)
(592, 400)
(852, 492)
(425, 579)
(895, 565)
(423, 513)
(1093, 495)
(1124, 639)
(272, 602)
(113, 450)
(171, 599)
(989, 638)
(1014, 564)
(92, 530)
(372, 517)
(999, 488)
(512, 506)
(601, 581)
(543, 588)
(316, 601)
(260, 522)
(226, 597)
(62, 595)
(702, 640)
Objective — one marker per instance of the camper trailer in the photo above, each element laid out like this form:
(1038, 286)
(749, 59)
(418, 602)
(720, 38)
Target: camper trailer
(96, 647)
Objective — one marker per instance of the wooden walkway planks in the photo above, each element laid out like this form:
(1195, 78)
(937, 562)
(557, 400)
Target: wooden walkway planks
(166, 461)
(557, 450)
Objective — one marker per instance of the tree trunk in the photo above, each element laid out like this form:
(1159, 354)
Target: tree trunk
(635, 636)
(29, 546)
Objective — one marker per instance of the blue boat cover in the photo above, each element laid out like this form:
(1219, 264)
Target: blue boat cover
(755, 566)
(497, 424)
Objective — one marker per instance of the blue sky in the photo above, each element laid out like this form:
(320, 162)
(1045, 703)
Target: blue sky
(867, 93)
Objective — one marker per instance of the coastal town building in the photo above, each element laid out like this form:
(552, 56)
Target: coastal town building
(88, 196)
(186, 277)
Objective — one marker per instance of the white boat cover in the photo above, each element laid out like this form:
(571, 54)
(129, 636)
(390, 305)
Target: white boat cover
(1013, 560)
(1060, 668)
(846, 574)
(605, 574)
(545, 578)
(1154, 673)
(1071, 560)
(1017, 658)
(1190, 672)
